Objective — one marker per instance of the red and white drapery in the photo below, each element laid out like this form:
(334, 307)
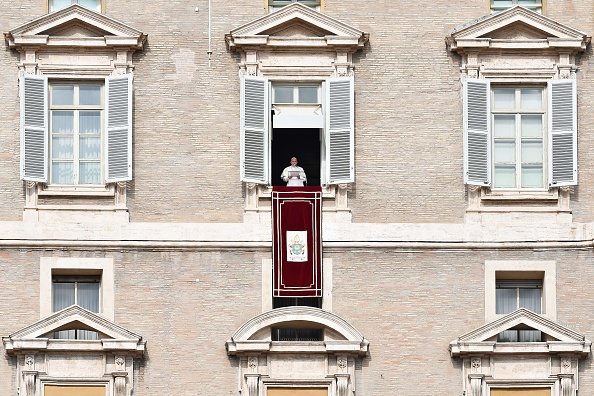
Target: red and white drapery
(297, 241)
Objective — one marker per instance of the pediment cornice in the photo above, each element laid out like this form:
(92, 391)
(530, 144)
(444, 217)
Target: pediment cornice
(34, 335)
(496, 32)
(352, 340)
(481, 341)
(309, 28)
(48, 30)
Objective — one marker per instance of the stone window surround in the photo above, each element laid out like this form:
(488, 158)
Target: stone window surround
(70, 266)
(266, 51)
(549, 284)
(107, 53)
(488, 50)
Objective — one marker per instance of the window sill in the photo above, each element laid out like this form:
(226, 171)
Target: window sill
(107, 190)
(520, 195)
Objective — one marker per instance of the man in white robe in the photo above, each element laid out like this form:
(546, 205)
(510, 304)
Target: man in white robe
(294, 175)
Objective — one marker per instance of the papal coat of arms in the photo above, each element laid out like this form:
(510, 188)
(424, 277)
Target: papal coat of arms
(296, 245)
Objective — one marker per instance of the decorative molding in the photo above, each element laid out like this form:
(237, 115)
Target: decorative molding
(476, 384)
(342, 384)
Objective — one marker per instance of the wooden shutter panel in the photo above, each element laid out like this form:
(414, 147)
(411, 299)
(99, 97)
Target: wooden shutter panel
(118, 116)
(562, 133)
(477, 132)
(340, 130)
(255, 141)
(34, 127)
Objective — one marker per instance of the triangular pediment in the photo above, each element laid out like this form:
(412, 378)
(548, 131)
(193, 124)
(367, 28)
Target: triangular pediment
(483, 338)
(36, 334)
(296, 25)
(522, 317)
(516, 27)
(77, 23)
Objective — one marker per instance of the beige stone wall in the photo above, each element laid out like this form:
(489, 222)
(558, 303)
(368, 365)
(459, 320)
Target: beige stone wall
(186, 137)
(409, 304)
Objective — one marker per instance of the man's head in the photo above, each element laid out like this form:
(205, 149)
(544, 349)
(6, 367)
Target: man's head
(294, 161)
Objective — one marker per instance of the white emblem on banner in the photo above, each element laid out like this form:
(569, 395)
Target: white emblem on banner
(296, 245)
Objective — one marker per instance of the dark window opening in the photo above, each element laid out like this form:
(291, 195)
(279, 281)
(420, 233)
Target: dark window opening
(297, 334)
(281, 302)
(303, 143)
(76, 334)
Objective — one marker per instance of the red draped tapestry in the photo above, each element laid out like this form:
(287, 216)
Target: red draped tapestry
(297, 241)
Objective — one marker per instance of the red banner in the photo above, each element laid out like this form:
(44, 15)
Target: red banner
(297, 241)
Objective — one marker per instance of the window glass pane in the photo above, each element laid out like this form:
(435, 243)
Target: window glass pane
(532, 176)
(529, 336)
(62, 172)
(531, 125)
(89, 95)
(90, 147)
(65, 335)
(55, 5)
(531, 99)
(90, 173)
(308, 95)
(505, 177)
(283, 94)
(508, 336)
(92, 4)
(62, 147)
(505, 152)
(523, 2)
(90, 122)
(62, 122)
(63, 295)
(88, 295)
(502, 2)
(504, 125)
(532, 152)
(504, 98)
(506, 300)
(63, 95)
(530, 299)
(86, 335)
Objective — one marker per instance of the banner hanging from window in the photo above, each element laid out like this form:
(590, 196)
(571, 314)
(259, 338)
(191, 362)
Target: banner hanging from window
(297, 241)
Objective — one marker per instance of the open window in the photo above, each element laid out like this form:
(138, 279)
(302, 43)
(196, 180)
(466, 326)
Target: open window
(297, 124)
(297, 99)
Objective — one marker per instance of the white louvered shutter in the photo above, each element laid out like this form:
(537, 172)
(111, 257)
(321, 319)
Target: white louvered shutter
(255, 140)
(34, 127)
(340, 130)
(477, 132)
(562, 133)
(118, 116)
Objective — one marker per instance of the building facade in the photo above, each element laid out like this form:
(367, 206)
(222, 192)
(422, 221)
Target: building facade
(142, 146)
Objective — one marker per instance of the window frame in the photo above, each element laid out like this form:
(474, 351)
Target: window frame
(116, 161)
(76, 108)
(103, 268)
(518, 112)
(101, 4)
(337, 153)
(561, 137)
(269, 7)
(521, 269)
(495, 9)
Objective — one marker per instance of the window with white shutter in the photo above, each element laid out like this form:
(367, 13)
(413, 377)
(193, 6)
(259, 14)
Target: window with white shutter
(313, 122)
(76, 133)
(505, 134)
